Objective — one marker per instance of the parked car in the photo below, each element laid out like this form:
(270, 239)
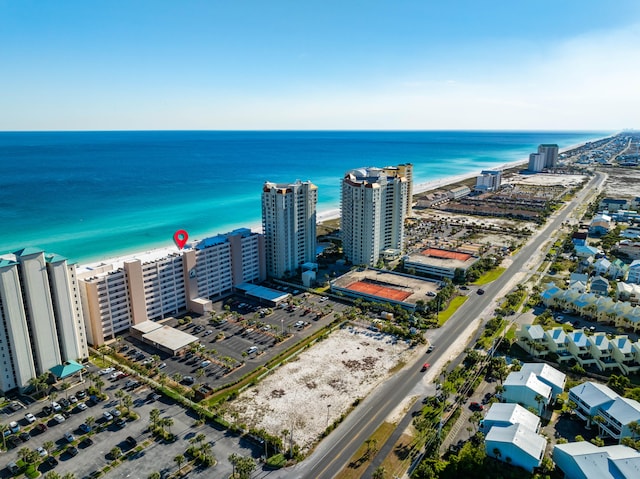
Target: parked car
(69, 437)
(73, 399)
(59, 418)
(14, 427)
(51, 461)
(131, 441)
(106, 371)
(42, 452)
(82, 406)
(24, 436)
(56, 406)
(120, 422)
(42, 427)
(84, 427)
(72, 450)
(476, 406)
(30, 418)
(86, 442)
(107, 416)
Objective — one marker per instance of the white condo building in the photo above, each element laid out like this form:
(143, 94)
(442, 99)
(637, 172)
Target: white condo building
(289, 226)
(373, 210)
(536, 162)
(155, 285)
(41, 320)
(489, 180)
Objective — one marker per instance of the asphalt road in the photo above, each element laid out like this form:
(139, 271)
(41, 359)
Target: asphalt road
(334, 453)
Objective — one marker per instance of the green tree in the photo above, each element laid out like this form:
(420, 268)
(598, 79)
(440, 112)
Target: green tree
(49, 446)
(379, 473)
(179, 460)
(154, 417)
(52, 475)
(154, 475)
(115, 453)
(3, 429)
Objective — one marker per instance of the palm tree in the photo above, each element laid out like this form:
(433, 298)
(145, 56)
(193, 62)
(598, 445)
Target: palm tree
(49, 446)
(69, 475)
(127, 401)
(65, 386)
(539, 399)
(115, 453)
(200, 438)
(52, 475)
(179, 460)
(154, 475)
(154, 416)
(120, 394)
(98, 383)
(634, 427)
(167, 422)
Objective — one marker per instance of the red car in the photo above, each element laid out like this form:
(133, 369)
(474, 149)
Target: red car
(476, 406)
(425, 366)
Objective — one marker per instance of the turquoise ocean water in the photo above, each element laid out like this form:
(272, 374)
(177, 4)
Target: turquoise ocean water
(94, 195)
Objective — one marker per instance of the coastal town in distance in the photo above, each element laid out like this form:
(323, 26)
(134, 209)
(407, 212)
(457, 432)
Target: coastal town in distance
(488, 323)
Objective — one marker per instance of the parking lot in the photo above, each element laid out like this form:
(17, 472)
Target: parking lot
(105, 434)
(246, 337)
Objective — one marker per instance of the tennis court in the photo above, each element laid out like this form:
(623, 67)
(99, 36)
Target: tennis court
(376, 289)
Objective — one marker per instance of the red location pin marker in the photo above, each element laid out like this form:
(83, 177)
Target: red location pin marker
(180, 237)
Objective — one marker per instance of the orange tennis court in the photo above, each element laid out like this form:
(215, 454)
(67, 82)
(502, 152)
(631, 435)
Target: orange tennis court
(445, 254)
(374, 289)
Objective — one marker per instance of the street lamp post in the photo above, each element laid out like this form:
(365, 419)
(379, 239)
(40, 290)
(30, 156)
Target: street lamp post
(328, 407)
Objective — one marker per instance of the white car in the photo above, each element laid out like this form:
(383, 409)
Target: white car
(82, 406)
(42, 452)
(58, 418)
(30, 418)
(205, 363)
(73, 399)
(107, 416)
(56, 407)
(107, 371)
(69, 437)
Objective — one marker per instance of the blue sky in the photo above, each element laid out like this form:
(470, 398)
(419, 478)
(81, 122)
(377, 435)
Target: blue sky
(258, 64)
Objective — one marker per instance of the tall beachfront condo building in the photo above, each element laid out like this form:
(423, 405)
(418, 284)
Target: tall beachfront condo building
(405, 170)
(550, 153)
(41, 320)
(289, 226)
(156, 285)
(536, 162)
(373, 210)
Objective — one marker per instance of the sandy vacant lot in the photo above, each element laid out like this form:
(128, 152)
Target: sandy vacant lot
(622, 182)
(318, 386)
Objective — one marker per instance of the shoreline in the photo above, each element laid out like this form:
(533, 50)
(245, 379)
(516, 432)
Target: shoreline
(328, 214)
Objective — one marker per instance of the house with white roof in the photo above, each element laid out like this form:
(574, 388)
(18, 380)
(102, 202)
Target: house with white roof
(580, 348)
(618, 415)
(532, 339)
(590, 398)
(508, 414)
(527, 390)
(622, 352)
(633, 273)
(599, 286)
(516, 445)
(557, 342)
(549, 375)
(631, 233)
(583, 460)
(578, 282)
(601, 266)
(599, 347)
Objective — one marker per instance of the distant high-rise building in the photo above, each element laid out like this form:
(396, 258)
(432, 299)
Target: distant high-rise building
(289, 226)
(536, 162)
(489, 180)
(41, 321)
(373, 210)
(550, 153)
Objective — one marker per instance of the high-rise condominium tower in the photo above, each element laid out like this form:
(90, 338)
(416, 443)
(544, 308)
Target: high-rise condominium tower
(373, 209)
(550, 153)
(41, 322)
(289, 225)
